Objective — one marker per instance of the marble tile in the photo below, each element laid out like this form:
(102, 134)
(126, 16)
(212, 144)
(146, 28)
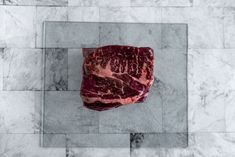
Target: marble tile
(138, 14)
(26, 145)
(20, 2)
(83, 14)
(19, 23)
(156, 140)
(130, 14)
(99, 152)
(174, 36)
(99, 140)
(167, 3)
(148, 152)
(182, 152)
(214, 3)
(64, 113)
(229, 110)
(206, 111)
(143, 117)
(205, 25)
(71, 35)
(115, 14)
(48, 14)
(56, 69)
(75, 61)
(52, 2)
(214, 144)
(229, 27)
(211, 69)
(53, 140)
(22, 69)
(82, 3)
(17, 111)
(114, 3)
(2, 27)
(1, 69)
(148, 34)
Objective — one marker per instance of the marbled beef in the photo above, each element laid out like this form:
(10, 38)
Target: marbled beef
(116, 75)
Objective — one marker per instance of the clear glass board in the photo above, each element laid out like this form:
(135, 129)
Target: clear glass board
(161, 121)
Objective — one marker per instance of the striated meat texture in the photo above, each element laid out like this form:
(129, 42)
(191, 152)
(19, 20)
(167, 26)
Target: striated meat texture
(116, 75)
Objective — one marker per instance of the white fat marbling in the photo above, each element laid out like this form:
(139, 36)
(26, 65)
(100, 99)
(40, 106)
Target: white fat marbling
(22, 69)
(26, 145)
(163, 3)
(229, 27)
(211, 69)
(99, 152)
(18, 26)
(48, 14)
(83, 3)
(230, 111)
(17, 111)
(205, 25)
(83, 14)
(206, 111)
(75, 61)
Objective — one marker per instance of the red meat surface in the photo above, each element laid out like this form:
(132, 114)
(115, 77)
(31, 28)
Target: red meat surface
(116, 75)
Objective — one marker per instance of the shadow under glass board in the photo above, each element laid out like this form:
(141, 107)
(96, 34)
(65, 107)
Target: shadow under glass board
(161, 121)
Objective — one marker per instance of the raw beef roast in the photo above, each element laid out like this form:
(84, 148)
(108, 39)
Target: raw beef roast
(116, 75)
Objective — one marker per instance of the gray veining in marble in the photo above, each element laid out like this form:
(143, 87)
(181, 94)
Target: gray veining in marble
(46, 14)
(17, 26)
(99, 140)
(206, 112)
(56, 69)
(130, 14)
(22, 69)
(174, 36)
(82, 3)
(64, 113)
(83, 14)
(52, 2)
(1, 70)
(156, 140)
(229, 30)
(17, 112)
(99, 152)
(206, 25)
(26, 145)
(20, 2)
(211, 69)
(182, 3)
(214, 3)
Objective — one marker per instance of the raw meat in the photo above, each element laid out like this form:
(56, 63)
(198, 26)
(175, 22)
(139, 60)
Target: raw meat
(116, 75)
